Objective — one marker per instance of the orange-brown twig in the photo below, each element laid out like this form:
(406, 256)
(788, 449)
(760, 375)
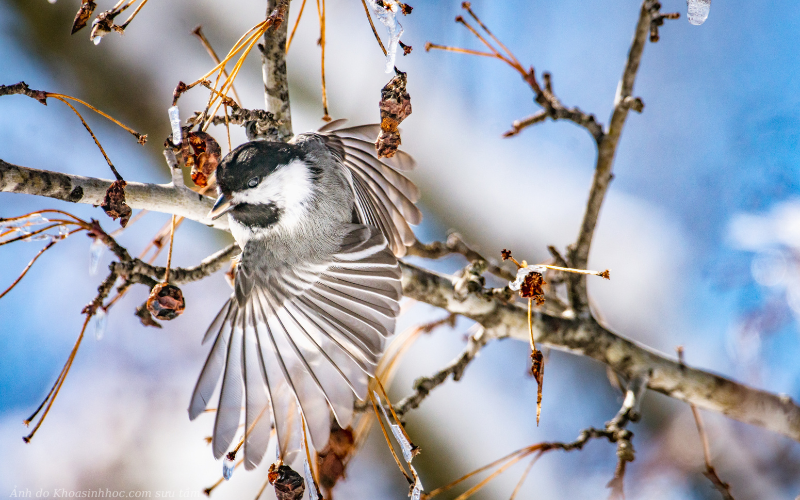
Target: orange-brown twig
(296, 24)
(321, 11)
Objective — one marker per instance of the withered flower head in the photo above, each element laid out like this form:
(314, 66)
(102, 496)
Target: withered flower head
(532, 287)
(166, 302)
(114, 203)
(395, 106)
(203, 158)
(505, 254)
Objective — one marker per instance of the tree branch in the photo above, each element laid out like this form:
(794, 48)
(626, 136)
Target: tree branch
(586, 337)
(276, 82)
(606, 150)
(164, 198)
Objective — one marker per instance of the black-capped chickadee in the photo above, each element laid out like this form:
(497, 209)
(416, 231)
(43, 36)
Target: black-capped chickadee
(320, 221)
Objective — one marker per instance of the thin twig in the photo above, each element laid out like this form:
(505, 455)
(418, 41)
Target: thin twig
(108, 160)
(198, 31)
(296, 24)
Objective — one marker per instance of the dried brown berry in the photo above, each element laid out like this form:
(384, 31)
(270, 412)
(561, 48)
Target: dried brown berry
(114, 203)
(166, 302)
(406, 9)
(83, 15)
(289, 485)
(395, 106)
(203, 156)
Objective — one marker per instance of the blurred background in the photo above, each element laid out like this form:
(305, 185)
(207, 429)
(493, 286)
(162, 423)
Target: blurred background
(701, 229)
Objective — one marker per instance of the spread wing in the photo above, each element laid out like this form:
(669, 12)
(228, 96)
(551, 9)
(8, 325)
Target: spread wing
(308, 338)
(384, 196)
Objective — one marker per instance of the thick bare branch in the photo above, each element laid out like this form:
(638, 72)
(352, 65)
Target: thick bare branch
(276, 82)
(606, 150)
(79, 189)
(135, 269)
(584, 336)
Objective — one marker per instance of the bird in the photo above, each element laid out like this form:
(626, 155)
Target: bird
(321, 222)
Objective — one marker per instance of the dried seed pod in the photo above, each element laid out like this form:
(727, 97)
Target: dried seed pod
(114, 203)
(83, 15)
(203, 158)
(166, 302)
(395, 106)
(532, 287)
(289, 485)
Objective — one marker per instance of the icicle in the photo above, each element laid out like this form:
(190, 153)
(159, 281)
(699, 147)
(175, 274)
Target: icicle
(698, 11)
(398, 433)
(310, 484)
(415, 495)
(100, 323)
(387, 15)
(95, 253)
(22, 222)
(227, 468)
(175, 122)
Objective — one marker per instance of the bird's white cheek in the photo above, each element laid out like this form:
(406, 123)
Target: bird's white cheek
(240, 232)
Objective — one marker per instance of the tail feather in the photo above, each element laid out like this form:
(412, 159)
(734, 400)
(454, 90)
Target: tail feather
(302, 343)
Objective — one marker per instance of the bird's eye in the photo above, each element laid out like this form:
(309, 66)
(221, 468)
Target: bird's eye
(252, 182)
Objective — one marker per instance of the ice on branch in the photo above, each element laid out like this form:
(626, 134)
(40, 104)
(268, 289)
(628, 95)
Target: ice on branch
(175, 123)
(522, 273)
(227, 468)
(100, 323)
(698, 11)
(386, 11)
(95, 254)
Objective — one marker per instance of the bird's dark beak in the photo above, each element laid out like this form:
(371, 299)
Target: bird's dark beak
(222, 206)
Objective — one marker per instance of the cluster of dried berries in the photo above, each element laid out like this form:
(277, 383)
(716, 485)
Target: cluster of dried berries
(114, 203)
(289, 485)
(203, 156)
(395, 106)
(166, 302)
(331, 460)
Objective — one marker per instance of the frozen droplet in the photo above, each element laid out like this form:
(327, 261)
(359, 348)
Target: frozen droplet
(63, 232)
(387, 15)
(96, 40)
(227, 468)
(175, 123)
(100, 323)
(51, 1)
(311, 485)
(522, 272)
(22, 222)
(95, 253)
(698, 11)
